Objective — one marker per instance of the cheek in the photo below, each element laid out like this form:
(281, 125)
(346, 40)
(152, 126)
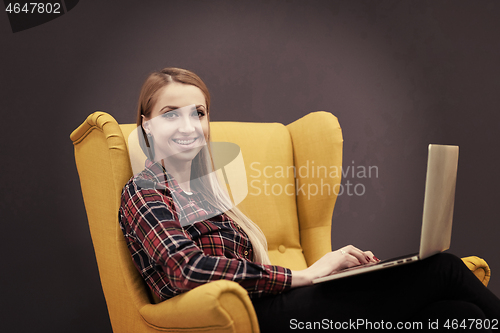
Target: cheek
(162, 133)
(162, 128)
(206, 129)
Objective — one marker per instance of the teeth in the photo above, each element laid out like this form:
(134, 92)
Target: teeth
(184, 142)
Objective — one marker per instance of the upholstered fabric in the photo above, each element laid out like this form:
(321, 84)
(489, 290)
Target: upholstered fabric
(278, 161)
(479, 267)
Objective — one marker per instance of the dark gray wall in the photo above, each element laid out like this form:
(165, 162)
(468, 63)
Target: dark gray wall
(398, 74)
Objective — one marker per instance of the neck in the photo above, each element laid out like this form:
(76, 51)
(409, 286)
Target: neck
(181, 172)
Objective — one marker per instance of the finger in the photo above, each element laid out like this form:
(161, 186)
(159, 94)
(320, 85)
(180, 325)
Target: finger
(347, 259)
(358, 254)
(351, 261)
(372, 258)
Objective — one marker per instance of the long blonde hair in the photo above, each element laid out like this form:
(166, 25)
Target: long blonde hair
(202, 167)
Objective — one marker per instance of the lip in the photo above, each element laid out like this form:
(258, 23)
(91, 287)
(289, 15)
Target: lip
(186, 143)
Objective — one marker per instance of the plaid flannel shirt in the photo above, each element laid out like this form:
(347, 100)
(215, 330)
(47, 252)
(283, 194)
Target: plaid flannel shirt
(172, 258)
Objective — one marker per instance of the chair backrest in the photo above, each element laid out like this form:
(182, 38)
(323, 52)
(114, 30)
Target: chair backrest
(293, 212)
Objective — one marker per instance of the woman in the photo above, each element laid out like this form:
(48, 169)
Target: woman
(183, 231)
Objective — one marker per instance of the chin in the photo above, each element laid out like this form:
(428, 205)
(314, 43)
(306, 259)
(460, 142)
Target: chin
(182, 156)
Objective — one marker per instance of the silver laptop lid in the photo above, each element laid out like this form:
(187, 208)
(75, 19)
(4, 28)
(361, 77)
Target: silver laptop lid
(439, 199)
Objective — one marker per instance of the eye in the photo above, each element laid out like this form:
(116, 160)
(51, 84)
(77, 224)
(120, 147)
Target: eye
(200, 113)
(169, 115)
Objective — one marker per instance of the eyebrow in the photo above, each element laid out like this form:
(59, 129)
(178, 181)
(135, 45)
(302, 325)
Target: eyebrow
(172, 107)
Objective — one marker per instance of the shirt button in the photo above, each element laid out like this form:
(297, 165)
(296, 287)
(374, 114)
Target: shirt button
(245, 253)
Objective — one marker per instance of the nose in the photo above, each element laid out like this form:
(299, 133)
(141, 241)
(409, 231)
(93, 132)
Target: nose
(187, 124)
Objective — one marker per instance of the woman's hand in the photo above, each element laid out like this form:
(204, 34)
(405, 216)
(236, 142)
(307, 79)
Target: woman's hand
(346, 257)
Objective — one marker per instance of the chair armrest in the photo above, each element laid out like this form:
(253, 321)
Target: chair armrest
(219, 306)
(479, 267)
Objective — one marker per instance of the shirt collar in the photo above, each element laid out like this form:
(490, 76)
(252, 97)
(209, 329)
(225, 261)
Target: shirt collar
(163, 177)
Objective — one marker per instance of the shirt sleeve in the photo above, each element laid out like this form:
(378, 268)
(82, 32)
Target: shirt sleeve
(150, 214)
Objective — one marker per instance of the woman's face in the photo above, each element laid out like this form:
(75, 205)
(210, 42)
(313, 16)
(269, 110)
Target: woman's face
(178, 123)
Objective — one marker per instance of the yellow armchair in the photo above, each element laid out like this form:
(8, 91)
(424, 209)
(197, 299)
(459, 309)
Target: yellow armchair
(296, 223)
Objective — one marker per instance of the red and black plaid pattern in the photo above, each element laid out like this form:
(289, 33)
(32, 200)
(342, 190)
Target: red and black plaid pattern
(172, 258)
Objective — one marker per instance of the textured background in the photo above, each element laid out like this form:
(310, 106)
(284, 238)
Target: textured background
(398, 74)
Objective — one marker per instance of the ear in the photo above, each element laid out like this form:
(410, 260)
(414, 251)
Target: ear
(145, 125)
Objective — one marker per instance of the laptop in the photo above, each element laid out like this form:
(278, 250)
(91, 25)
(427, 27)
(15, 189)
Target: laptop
(437, 217)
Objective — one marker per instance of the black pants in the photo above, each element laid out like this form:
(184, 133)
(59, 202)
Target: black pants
(434, 292)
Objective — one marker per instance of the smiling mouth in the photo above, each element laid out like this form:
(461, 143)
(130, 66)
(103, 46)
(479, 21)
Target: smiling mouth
(185, 142)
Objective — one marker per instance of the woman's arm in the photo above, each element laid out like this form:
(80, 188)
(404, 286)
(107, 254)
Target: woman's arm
(331, 262)
(150, 222)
